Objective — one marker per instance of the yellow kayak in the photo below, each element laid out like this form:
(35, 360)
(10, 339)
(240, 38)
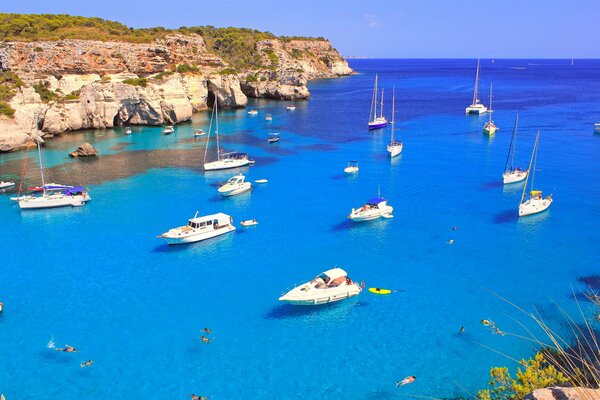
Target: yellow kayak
(377, 290)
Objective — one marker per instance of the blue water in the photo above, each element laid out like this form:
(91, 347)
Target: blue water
(97, 278)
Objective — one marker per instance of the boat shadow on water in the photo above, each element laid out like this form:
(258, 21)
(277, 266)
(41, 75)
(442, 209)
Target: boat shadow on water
(491, 185)
(285, 310)
(506, 216)
(207, 245)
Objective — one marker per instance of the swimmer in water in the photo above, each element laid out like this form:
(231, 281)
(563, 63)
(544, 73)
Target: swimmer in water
(406, 381)
(462, 330)
(454, 228)
(499, 332)
(206, 330)
(451, 241)
(67, 349)
(196, 397)
(204, 339)
(87, 363)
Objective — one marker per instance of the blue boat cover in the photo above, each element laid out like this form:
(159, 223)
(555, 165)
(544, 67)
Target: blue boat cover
(375, 200)
(73, 191)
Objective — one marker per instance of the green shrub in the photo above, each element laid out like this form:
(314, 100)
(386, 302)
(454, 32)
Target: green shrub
(105, 79)
(136, 81)
(6, 93)
(6, 109)
(45, 93)
(184, 68)
(38, 49)
(326, 60)
(74, 95)
(10, 78)
(161, 75)
(252, 78)
(297, 53)
(228, 71)
(272, 57)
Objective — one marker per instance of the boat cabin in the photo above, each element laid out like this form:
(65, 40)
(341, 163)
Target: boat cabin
(235, 155)
(236, 180)
(214, 221)
(330, 278)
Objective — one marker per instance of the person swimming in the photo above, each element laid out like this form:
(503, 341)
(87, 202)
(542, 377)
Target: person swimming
(66, 349)
(87, 363)
(406, 381)
(204, 339)
(196, 397)
(462, 330)
(206, 330)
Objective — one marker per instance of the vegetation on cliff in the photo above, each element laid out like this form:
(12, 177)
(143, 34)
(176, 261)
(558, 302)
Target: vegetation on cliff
(237, 46)
(9, 82)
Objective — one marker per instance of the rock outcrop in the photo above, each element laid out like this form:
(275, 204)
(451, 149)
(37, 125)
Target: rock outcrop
(85, 84)
(564, 393)
(85, 150)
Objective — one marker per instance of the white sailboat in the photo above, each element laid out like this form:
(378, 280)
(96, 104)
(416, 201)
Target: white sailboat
(490, 128)
(536, 203)
(511, 173)
(376, 121)
(224, 160)
(394, 147)
(476, 107)
(53, 195)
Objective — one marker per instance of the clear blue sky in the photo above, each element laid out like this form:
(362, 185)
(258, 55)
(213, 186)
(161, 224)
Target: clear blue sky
(374, 28)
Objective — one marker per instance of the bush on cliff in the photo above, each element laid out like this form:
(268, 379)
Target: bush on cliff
(6, 109)
(228, 71)
(45, 93)
(537, 373)
(10, 78)
(136, 82)
(183, 68)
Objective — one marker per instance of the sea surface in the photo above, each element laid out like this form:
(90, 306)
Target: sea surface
(97, 278)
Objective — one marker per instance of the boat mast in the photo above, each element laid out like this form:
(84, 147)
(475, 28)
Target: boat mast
(393, 113)
(530, 164)
(381, 103)
(537, 143)
(212, 115)
(475, 99)
(490, 110)
(39, 148)
(217, 127)
(511, 148)
(373, 109)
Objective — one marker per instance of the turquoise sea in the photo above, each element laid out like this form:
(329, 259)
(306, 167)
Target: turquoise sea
(97, 278)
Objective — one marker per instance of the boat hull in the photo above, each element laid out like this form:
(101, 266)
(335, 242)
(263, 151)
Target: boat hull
(534, 206)
(476, 109)
(513, 177)
(327, 296)
(246, 186)
(351, 170)
(370, 215)
(394, 150)
(226, 164)
(52, 201)
(597, 128)
(198, 237)
(4, 185)
(377, 125)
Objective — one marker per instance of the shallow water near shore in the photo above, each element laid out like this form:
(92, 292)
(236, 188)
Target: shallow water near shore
(96, 277)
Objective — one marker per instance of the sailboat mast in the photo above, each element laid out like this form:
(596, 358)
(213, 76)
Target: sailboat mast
(393, 112)
(530, 164)
(535, 152)
(39, 148)
(212, 115)
(373, 109)
(381, 113)
(490, 110)
(475, 99)
(217, 127)
(511, 148)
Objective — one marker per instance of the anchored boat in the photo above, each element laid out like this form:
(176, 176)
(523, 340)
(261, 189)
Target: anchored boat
(200, 228)
(476, 107)
(394, 147)
(376, 207)
(536, 203)
(376, 121)
(511, 173)
(235, 185)
(352, 167)
(168, 130)
(330, 286)
(490, 128)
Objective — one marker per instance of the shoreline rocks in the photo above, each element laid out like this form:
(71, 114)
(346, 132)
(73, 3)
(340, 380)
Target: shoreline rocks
(564, 393)
(85, 150)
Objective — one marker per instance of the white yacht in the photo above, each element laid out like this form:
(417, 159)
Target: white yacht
(235, 185)
(597, 127)
(352, 167)
(128, 130)
(252, 112)
(376, 121)
(476, 107)
(394, 148)
(224, 160)
(376, 207)
(330, 286)
(511, 173)
(167, 130)
(273, 138)
(4, 185)
(536, 202)
(268, 117)
(291, 108)
(200, 228)
(490, 127)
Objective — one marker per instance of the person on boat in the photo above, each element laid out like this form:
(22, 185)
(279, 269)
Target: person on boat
(87, 363)
(406, 381)
(206, 330)
(204, 339)
(67, 349)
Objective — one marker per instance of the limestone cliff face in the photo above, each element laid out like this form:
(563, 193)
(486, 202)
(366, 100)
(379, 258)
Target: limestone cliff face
(105, 84)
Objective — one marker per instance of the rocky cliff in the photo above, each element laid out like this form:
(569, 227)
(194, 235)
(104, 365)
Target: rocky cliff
(80, 84)
(564, 393)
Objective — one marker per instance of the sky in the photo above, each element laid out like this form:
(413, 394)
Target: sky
(374, 28)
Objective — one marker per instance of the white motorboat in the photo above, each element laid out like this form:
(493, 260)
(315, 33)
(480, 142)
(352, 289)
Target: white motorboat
(128, 130)
(249, 222)
(597, 127)
(199, 132)
(394, 147)
(268, 117)
(167, 130)
(376, 207)
(511, 173)
(200, 228)
(291, 108)
(490, 127)
(261, 181)
(476, 107)
(330, 286)
(536, 202)
(252, 112)
(224, 160)
(273, 138)
(4, 185)
(352, 167)
(376, 121)
(235, 185)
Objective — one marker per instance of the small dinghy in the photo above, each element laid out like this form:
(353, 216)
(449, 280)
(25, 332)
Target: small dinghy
(291, 107)
(199, 132)
(249, 222)
(268, 117)
(252, 112)
(4, 185)
(261, 181)
(273, 138)
(167, 130)
(352, 167)
(376, 290)
(128, 130)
